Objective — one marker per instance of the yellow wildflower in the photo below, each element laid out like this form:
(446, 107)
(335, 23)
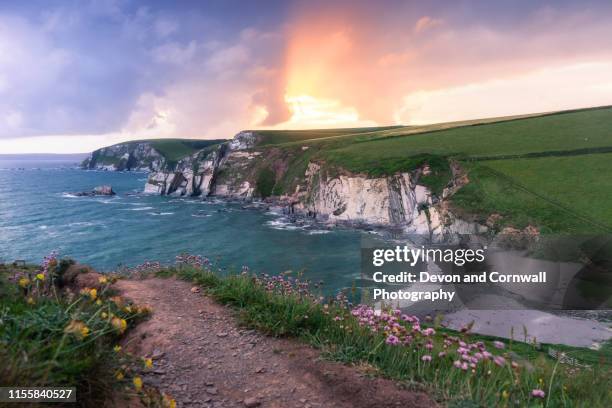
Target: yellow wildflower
(23, 282)
(99, 302)
(128, 309)
(40, 277)
(119, 324)
(104, 315)
(148, 363)
(137, 383)
(117, 348)
(505, 394)
(103, 280)
(93, 294)
(119, 375)
(31, 301)
(78, 328)
(169, 402)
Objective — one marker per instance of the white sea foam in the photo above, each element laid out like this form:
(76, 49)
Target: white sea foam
(137, 209)
(318, 232)
(81, 224)
(283, 224)
(160, 213)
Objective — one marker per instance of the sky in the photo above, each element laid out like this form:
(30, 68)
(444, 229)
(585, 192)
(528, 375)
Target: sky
(79, 75)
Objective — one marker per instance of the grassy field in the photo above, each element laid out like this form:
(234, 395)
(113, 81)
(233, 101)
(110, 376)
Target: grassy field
(567, 193)
(547, 170)
(272, 137)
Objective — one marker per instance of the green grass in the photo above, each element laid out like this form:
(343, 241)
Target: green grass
(175, 149)
(577, 183)
(574, 130)
(553, 175)
(38, 348)
(281, 313)
(271, 137)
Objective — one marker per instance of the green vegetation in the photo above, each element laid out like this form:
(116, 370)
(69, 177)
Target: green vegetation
(269, 137)
(50, 337)
(175, 149)
(284, 307)
(544, 170)
(265, 182)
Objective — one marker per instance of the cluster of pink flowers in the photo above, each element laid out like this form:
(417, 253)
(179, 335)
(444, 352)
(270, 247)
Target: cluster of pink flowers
(402, 329)
(48, 264)
(285, 285)
(195, 261)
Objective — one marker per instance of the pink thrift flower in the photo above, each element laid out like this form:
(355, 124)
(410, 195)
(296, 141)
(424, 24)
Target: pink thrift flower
(499, 360)
(392, 340)
(429, 332)
(426, 357)
(537, 393)
(499, 345)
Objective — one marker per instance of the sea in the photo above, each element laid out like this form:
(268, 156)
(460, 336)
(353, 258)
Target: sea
(40, 213)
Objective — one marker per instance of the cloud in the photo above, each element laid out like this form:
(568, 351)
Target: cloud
(426, 23)
(550, 89)
(175, 53)
(119, 69)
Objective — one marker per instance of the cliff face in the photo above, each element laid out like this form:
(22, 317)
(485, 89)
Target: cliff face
(125, 156)
(239, 169)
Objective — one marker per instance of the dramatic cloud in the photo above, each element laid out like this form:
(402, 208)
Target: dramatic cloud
(74, 78)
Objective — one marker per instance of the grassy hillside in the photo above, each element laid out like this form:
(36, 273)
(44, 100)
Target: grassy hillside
(549, 170)
(271, 137)
(175, 149)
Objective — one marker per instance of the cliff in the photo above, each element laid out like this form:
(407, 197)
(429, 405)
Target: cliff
(125, 156)
(290, 177)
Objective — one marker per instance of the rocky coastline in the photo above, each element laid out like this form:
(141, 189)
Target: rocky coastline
(235, 170)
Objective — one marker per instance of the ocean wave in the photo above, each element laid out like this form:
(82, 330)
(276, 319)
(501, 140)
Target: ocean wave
(318, 232)
(201, 215)
(81, 224)
(160, 213)
(283, 224)
(137, 209)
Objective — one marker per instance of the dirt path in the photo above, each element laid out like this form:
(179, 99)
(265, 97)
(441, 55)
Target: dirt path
(203, 358)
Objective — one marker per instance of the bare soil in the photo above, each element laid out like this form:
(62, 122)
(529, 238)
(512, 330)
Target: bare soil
(204, 358)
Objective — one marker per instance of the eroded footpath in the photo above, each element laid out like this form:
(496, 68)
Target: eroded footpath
(204, 358)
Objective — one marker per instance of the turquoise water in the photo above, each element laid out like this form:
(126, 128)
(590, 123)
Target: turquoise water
(38, 214)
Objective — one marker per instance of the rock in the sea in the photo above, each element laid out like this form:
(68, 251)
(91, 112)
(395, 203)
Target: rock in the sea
(103, 190)
(98, 191)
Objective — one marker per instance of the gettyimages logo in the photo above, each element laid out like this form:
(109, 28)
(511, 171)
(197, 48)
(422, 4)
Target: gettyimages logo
(554, 273)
